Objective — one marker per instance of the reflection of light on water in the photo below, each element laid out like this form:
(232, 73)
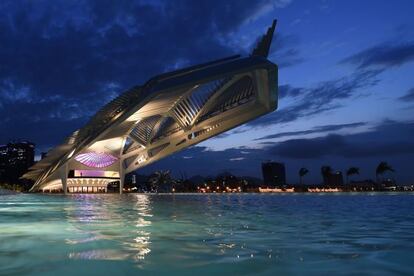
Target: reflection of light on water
(70, 241)
(95, 224)
(224, 245)
(140, 245)
(99, 255)
(142, 240)
(142, 222)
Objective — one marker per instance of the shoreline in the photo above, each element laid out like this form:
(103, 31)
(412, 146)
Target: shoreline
(8, 192)
(241, 193)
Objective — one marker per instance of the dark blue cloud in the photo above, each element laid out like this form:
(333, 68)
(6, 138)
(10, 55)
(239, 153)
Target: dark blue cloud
(395, 140)
(315, 130)
(199, 160)
(321, 98)
(338, 145)
(384, 56)
(309, 148)
(285, 50)
(287, 90)
(408, 97)
(389, 141)
(61, 61)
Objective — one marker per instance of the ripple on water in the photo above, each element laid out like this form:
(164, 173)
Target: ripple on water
(233, 234)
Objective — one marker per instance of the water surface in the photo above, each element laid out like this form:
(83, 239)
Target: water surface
(242, 234)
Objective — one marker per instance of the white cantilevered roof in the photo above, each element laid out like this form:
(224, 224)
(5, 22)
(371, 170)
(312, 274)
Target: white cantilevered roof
(175, 110)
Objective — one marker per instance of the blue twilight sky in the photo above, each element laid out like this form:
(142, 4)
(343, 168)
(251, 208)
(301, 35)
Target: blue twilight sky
(346, 76)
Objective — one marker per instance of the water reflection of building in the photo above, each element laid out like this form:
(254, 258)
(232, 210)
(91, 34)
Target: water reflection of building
(274, 174)
(141, 243)
(95, 223)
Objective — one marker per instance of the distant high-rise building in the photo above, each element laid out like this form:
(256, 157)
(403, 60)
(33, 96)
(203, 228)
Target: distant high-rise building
(274, 174)
(15, 159)
(3, 161)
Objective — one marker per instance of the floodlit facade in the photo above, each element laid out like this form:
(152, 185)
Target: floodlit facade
(168, 113)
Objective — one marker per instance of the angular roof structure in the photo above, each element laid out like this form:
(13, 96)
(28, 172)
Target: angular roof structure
(170, 112)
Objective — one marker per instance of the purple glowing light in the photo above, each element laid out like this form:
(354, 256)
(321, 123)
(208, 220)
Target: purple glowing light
(96, 159)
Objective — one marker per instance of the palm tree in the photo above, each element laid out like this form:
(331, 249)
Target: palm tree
(326, 171)
(382, 168)
(160, 179)
(351, 171)
(302, 172)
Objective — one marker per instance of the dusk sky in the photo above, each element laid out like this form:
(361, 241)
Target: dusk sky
(346, 76)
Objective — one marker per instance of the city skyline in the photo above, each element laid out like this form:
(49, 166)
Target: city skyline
(346, 96)
(16, 157)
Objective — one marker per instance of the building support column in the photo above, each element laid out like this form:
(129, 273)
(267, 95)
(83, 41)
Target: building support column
(64, 178)
(121, 177)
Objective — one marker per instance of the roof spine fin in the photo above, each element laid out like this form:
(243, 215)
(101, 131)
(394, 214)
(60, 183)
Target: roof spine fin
(262, 48)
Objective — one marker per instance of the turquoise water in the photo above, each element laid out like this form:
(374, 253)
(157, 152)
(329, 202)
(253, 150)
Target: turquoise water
(321, 234)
